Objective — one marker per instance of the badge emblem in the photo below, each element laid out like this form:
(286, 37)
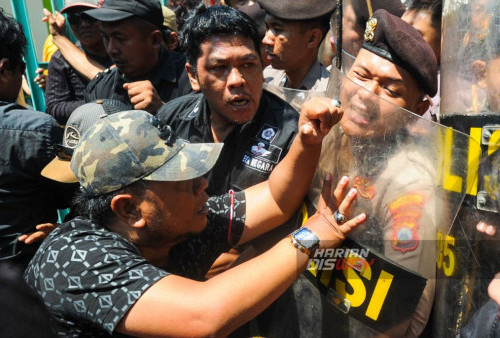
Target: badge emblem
(268, 134)
(260, 149)
(371, 25)
(71, 136)
(364, 186)
(406, 212)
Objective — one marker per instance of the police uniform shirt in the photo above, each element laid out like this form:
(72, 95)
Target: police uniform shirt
(250, 152)
(168, 77)
(402, 202)
(316, 78)
(90, 277)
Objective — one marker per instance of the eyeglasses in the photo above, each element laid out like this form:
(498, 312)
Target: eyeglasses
(75, 19)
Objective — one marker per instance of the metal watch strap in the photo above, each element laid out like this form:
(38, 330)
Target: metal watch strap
(299, 246)
(303, 247)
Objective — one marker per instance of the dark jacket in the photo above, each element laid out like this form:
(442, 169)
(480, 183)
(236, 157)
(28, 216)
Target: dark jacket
(168, 77)
(26, 198)
(250, 152)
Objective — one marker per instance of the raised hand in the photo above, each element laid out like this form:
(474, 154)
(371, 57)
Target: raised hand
(332, 230)
(317, 116)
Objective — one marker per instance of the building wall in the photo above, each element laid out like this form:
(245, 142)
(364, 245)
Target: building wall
(39, 30)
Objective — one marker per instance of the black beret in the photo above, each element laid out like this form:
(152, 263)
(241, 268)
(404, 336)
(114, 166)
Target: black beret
(298, 9)
(395, 40)
(360, 7)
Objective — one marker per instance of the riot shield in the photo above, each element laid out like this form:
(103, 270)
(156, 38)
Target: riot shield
(470, 99)
(295, 97)
(410, 177)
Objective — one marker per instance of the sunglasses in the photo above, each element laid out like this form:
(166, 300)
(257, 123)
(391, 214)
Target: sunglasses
(75, 19)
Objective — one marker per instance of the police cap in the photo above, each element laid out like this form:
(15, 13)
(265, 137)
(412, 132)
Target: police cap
(298, 9)
(395, 40)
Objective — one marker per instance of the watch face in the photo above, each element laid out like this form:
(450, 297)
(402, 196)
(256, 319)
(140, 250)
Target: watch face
(306, 237)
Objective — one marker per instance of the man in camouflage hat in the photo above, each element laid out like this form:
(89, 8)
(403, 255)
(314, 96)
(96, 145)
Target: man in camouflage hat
(295, 30)
(142, 200)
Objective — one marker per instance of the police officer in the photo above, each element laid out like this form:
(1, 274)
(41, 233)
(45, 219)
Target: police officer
(396, 183)
(394, 69)
(295, 30)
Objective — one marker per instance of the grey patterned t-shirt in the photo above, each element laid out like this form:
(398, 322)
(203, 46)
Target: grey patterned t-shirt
(89, 277)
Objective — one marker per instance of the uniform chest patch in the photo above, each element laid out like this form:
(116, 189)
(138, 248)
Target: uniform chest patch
(364, 186)
(262, 155)
(267, 133)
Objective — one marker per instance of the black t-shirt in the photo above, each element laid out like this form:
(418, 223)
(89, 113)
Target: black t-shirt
(250, 152)
(89, 277)
(168, 77)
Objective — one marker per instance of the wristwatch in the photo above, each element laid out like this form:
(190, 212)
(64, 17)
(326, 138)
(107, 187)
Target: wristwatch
(305, 240)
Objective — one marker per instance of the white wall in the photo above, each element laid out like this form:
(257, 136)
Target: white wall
(39, 29)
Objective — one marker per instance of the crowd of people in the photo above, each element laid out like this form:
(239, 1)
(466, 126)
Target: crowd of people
(186, 180)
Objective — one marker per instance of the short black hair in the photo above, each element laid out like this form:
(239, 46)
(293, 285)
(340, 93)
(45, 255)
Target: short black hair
(433, 6)
(12, 39)
(322, 23)
(98, 208)
(206, 22)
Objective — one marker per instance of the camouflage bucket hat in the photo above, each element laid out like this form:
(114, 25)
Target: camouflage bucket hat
(129, 146)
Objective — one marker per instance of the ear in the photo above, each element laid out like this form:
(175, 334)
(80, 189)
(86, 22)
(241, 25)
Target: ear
(422, 106)
(5, 67)
(125, 207)
(315, 36)
(480, 70)
(173, 41)
(157, 38)
(193, 79)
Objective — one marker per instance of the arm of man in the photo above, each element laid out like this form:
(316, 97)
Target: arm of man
(59, 96)
(281, 195)
(218, 306)
(77, 59)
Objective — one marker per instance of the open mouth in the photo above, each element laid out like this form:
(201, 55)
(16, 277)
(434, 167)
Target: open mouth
(240, 102)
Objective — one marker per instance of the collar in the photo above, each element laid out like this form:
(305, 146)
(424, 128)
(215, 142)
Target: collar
(316, 73)
(313, 76)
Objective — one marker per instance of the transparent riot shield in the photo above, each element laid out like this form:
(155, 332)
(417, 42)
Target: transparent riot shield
(295, 97)
(410, 174)
(470, 97)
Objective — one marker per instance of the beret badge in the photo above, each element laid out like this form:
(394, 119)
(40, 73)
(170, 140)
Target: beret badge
(371, 25)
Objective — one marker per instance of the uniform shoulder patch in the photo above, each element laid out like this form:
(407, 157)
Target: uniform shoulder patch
(406, 212)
